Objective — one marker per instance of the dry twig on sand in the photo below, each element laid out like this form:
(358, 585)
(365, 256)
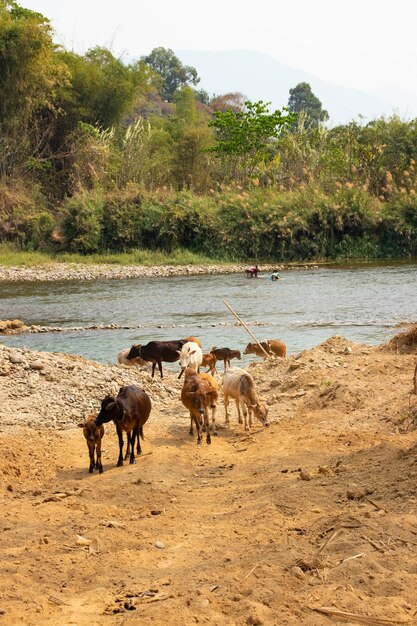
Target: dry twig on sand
(362, 619)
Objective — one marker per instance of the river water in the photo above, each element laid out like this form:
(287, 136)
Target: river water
(305, 308)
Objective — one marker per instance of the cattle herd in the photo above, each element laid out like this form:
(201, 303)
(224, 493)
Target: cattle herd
(130, 409)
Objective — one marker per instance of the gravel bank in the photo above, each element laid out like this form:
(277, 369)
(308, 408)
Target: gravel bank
(75, 271)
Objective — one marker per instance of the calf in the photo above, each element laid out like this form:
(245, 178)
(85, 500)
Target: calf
(190, 356)
(129, 410)
(157, 351)
(209, 360)
(239, 384)
(225, 355)
(197, 395)
(93, 435)
(273, 347)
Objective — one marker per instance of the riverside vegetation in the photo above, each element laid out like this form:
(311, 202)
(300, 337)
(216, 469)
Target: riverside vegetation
(133, 164)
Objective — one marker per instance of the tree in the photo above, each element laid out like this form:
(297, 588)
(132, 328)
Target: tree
(233, 101)
(245, 136)
(101, 91)
(191, 137)
(173, 73)
(303, 99)
(30, 78)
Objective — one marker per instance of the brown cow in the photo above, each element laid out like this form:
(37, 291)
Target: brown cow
(129, 411)
(225, 354)
(197, 394)
(209, 360)
(93, 435)
(274, 347)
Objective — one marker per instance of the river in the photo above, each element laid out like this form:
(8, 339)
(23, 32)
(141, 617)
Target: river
(361, 303)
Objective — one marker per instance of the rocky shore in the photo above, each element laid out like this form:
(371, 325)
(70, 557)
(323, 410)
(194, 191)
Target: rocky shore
(77, 271)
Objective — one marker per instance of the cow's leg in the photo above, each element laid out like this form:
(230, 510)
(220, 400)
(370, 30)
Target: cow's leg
(141, 433)
(128, 446)
(213, 417)
(134, 436)
(245, 415)
(250, 418)
(91, 455)
(207, 425)
(225, 365)
(160, 368)
(238, 410)
(226, 405)
(120, 436)
(191, 424)
(138, 448)
(198, 427)
(153, 369)
(98, 463)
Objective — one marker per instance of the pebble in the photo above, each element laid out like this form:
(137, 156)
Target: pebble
(355, 492)
(37, 365)
(297, 572)
(15, 359)
(304, 475)
(160, 545)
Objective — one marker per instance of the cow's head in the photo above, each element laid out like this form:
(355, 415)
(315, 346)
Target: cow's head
(134, 352)
(111, 409)
(249, 348)
(261, 412)
(185, 357)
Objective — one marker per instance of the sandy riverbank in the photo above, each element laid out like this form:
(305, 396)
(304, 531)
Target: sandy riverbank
(76, 271)
(231, 534)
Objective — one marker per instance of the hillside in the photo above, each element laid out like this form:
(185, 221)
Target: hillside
(267, 527)
(262, 77)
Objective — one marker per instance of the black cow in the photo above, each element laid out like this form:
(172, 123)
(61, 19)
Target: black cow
(129, 410)
(157, 351)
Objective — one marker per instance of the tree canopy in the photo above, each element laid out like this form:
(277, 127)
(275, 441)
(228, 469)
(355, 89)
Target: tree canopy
(173, 73)
(303, 99)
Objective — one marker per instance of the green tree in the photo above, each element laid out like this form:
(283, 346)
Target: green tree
(244, 137)
(191, 137)
(30, 78)
(303, 99)
(102, 88)
(173, 73)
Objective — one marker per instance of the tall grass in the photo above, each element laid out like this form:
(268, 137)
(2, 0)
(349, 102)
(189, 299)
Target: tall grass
(11, 256)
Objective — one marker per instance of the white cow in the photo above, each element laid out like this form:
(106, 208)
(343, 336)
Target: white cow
(191, 355)
(239, 384)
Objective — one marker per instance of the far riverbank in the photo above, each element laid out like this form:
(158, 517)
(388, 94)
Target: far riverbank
(79, 271)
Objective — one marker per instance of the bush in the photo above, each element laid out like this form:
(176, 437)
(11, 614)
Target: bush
(82, 223)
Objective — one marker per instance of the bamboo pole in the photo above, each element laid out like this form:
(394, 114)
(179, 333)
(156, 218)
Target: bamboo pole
(269, 356)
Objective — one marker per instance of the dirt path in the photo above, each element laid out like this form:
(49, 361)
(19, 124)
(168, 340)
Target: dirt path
(228, 534)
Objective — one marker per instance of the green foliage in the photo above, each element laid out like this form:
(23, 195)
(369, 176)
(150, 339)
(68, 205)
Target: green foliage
(30, 78)
(244, 135)
(302, 99)
(98, 155)
(23, 218)
(173, 73)
(82, 223)
(101, 91)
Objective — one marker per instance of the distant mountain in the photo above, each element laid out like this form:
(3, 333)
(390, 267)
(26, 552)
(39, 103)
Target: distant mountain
(262, 77)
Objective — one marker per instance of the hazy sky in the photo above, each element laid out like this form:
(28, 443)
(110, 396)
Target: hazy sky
(366, 44)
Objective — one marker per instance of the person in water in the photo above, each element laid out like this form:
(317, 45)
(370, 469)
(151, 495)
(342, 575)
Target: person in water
(275, 276)
(252, 272)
